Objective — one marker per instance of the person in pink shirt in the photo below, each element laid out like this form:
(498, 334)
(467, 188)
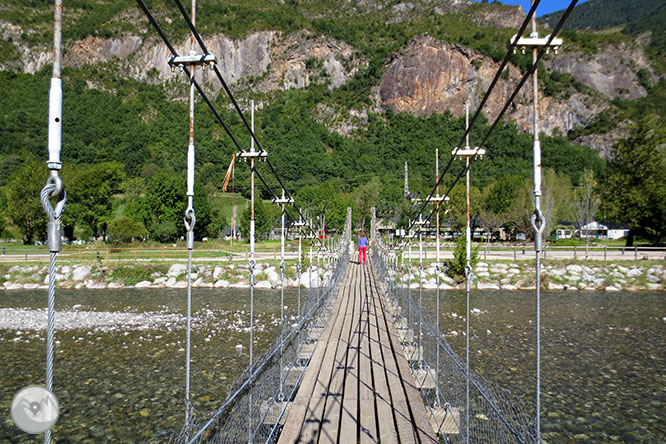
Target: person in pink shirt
(362, 246)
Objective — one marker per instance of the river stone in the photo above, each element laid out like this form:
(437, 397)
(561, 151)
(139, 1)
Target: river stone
(142, 284)
(171, 282)
(81, 273)
(180, 284)
(599, 282)
(651, 286)
(58, 277)
(160, 281)
(206, 285)
(488, 286)
(30, 286)
(115, 285)
(95, 285)
(500, 266)
(197, 282)
(652, 278)
(611, 288)
(241, 284)
(509, 287)
(176, 270)
(218, 272)
(430, 286)
(514, 270)
(221, 284)
(622, 269)
(574, 268)
(555, 286)
(272, 275)
(263, 284)
(443, 286)
(634, 272)
(482, 274)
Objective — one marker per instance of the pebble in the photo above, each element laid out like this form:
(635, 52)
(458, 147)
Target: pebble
(29, 319)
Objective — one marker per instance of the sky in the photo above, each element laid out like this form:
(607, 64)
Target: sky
(544, 7)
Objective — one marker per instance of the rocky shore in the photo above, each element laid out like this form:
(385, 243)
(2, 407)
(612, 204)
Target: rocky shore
(489, 276)
(136, 275)
(520, 276)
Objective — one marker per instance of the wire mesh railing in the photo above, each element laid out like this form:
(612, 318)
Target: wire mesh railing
(259, 399)
(494, 415)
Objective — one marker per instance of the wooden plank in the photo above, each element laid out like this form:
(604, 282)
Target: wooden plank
(420, 417)
(315, 413)
(291, 433)
(388, 432)
(401, 410)
(368, 422)
(349, 424)
(367, 419)
(332, 416)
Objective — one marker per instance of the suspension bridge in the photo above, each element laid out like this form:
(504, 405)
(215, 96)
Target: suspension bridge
(365, 362)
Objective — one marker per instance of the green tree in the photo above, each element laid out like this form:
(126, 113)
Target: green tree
(367, 196)
(635, 192)
(24, 208)
(499, 195)
(3, 204)
(167, 200)
(91, 193)
(457, 214)
(262, 222)
(124, 229)
(587, 202)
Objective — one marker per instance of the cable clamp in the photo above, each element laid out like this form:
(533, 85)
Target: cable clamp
(55, 189)
(538, 221)
(190, 219)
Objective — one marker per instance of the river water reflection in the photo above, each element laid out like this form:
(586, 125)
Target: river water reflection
(604, 359)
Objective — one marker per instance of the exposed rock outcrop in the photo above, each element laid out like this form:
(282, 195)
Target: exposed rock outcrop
(611, 71)
(432, 76)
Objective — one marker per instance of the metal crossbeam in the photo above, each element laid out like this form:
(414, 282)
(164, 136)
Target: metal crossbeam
(193, 59)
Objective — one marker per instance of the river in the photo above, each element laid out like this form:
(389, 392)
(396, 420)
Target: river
(604, 358)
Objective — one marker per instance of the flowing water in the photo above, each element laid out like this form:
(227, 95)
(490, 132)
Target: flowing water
(604, 358)
(126, 383)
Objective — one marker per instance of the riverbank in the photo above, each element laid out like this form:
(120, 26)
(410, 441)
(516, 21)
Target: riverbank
(487, 275)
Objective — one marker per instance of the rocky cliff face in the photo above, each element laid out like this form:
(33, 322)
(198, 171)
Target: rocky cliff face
(432, 76)
(611, 71)
(267, 60)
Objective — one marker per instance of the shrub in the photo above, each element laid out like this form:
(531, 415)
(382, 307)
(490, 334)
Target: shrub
(165, 232)
(124, 229)
(456, 266)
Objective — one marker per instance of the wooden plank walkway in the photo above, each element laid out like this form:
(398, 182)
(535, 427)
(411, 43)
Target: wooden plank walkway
(358, 387)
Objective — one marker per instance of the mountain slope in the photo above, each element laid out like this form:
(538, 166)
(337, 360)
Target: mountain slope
(599, 14)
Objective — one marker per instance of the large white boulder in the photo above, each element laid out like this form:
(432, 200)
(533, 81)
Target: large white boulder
(221, 284)
(263, 285)
(176, 270)
(81, 273)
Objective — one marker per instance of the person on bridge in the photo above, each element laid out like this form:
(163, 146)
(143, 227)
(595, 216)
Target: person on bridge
(362, 246)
